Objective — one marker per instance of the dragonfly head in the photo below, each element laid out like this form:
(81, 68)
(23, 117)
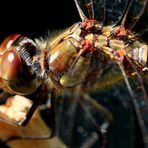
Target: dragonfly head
(16, 65)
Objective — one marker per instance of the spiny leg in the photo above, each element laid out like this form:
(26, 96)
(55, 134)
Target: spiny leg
(139, 99)
(101, 110)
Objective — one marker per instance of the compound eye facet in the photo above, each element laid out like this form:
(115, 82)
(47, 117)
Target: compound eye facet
(10, 64)
(6, 44)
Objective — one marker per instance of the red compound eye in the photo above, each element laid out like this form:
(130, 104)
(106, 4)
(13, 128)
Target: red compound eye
(17, 76)
(10, 65)
(8, 42)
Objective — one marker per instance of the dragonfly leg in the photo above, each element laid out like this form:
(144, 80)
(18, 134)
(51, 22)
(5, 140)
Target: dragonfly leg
(101, 109)
(107, 115)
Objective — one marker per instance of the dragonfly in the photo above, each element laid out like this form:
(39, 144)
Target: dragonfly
(80, 60)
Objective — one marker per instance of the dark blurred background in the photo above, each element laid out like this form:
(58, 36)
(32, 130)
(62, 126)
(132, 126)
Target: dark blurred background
(34, 18)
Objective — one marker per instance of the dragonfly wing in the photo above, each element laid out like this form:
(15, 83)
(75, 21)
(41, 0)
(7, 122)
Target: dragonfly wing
(137, 12)
(115, 10)
(105, 11)
(93, 9)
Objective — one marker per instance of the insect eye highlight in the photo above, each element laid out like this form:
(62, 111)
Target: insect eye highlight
(15, 72)
(10, 65)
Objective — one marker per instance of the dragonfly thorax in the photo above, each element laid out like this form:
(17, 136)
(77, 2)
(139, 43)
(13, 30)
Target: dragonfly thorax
(71, 52)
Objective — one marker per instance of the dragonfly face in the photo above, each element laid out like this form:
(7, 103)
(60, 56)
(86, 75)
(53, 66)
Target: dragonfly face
(103, 47)
(12, 49)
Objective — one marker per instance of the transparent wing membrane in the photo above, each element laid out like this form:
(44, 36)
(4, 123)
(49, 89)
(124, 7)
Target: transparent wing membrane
(93, 9)
(115, 10)
(137, 10)
(105, 11)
